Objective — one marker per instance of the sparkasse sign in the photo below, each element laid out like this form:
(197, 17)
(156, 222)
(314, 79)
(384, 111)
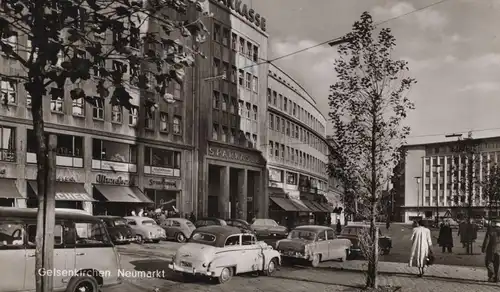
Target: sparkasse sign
(249, 14)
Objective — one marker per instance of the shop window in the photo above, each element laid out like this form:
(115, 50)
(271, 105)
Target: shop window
(291, 178)
(104, 151)
(78, 107)
(69, 149)
(8, 144)
(168, 160)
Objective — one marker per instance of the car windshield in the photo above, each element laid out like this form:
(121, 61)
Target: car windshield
(120, 222)
(203, 238)
(265, 222)
(148, 222)
(302, 234)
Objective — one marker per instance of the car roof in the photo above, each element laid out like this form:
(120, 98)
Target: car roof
(313, 228)
(139, 218)
(223, 231)
(238, 220)
(32, 213)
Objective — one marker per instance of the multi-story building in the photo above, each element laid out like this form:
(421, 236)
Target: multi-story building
(429, 175)
(109, 160)
(230, 114)
(297, 150)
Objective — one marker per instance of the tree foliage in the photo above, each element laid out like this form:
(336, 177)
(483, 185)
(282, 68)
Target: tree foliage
(368, 105)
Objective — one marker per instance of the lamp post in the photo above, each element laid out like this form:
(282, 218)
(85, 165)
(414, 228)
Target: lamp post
(417, 180)
(438, 167)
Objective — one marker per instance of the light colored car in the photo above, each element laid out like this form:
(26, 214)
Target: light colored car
(179, 229)
(145, 229)
(315, 244)
(268, 228)
(219, 252)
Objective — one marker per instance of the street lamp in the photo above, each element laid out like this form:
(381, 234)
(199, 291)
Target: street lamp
(417, 180)
(438, 167)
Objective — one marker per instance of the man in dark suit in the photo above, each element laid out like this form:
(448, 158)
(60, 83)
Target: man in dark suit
(491, 248)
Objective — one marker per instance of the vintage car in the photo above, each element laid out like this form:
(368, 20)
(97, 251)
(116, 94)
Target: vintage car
(145, 229)
(118, 229)
(219, 252)
(352, 232)
(243, 225)
(314, 243)
(268, 228)
(209, 221)
(179, 229)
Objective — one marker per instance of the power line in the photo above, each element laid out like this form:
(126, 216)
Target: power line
(443, 134)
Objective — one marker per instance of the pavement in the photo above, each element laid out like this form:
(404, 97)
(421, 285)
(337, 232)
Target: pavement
(330, 276)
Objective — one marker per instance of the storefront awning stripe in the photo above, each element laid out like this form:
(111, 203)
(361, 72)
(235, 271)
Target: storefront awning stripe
(66, 191)
(123, 194)
(300, 205)
(311, 205)
(284, 204)
(326, 207)
(9, 189)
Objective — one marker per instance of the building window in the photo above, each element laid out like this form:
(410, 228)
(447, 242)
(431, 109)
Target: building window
(232, 134)
(226, 70)
(277, 150)
(233, 74)
(234, 40)
(254, 140)
(242, 46)
(277, 123)
(241, 76)
(255, 53)
(216, 100)
(271, 121)
(248, 110)
(271, 150)
(216, 32)
(248, 140)
(297, 132)
(8, 90)
(215, 132)
(69, 149)
(282, 151)
(255, 84)
(288, 128)
(275, 98)
(216, 68)
(269, 97)
(162, 158)
(98, 108)
(283, 126)
(232, 107)
(285, 104)
(57, 105)
(12, 41)
(294, 109)
(255, 112)
(241, 104)
(280, 101)
(116, 114)
(164, 122)
(149, 120)
(249, 50)
(177, 125)
(225, 36)
(133, 116)
(8, 144)
(248, 83)
(224, 134)
(225, 100)
(120, 66)
(113, 151)
(78, 107)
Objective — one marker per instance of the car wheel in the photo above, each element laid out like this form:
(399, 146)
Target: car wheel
(225, 275)
(346, 255)
(316, 260)
(82, 284)
(180, 237)
(271, 267)
(140, 239)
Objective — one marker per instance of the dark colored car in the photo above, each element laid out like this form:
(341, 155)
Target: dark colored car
(268, 228)
(244, 226)
(118, 229)
(209, 221)
(352, 232)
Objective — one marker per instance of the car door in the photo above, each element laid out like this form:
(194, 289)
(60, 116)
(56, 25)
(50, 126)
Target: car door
(176, 227)
(166, 225)
(252, 253)
(13, 255)
(334, 245)
(322, 244)
(236, 254)
(135, 228)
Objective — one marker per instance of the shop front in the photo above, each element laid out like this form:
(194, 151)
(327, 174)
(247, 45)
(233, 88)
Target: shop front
(118, 194)
(165, 193)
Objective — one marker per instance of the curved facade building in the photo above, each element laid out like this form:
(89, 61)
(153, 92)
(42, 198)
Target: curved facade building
(297, 152)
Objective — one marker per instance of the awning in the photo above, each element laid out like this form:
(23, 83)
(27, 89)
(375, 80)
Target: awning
(9, 189)
(300, 205)
(326, 207)
(66, 191)
(311, 205)
(277, 191)
(284, 204)
(123, 194)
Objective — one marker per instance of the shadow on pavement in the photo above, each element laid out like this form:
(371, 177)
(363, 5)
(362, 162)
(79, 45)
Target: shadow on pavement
(152, 265)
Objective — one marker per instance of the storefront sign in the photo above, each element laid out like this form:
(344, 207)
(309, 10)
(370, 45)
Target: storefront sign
(72, 197)
(65, 179)
(232, 155)
(167, 184)
(102, 179)
(249, 14)
(162, 171)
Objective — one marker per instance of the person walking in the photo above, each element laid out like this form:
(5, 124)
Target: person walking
(491, 248)
(339, 226)
(421, 247)
(445, 239)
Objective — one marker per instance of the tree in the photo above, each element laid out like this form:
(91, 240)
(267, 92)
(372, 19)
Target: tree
(71, 43)
(491, 188)
(368, 105)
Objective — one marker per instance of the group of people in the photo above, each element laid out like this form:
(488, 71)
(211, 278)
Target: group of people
(422, 255)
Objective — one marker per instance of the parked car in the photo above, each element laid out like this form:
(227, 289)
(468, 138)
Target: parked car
(118, 229)
(179, 229)
(315, 244)
(209, 221)
(219, 252)
(243, 225)
(145, 229)
(91, 250)
(353, 232)
(266, 228)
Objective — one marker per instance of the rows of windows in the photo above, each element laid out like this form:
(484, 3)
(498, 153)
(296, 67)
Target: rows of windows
(290, 155)
(224, 36)
(233, 136)
(287, 105)
(224, 103)
(293, 130)
(244, 79)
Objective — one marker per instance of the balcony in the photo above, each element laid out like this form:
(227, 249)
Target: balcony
(68, 161)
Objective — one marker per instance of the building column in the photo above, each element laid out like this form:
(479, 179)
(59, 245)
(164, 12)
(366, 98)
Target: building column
(260, 194)
(224, 200)
(242, 194)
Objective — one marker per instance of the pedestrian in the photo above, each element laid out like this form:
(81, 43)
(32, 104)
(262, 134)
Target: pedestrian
(192, 218)
(445, 239)
(461, 232)
(339, 226)
(491, 248)
(387, 223)
(421, 247)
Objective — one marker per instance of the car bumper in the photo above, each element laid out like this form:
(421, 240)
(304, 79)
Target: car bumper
(124, 240)
(294, 256)
(191, 271)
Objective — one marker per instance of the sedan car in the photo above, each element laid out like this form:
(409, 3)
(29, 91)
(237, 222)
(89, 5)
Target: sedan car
(315, 244)
(118, 229)
(268, 228)
(209, 221)
(244, 226)
(219, 252)
(179, 229)
(145, 229)
(353, 232)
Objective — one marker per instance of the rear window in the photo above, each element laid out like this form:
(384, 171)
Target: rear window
(203, 238)
(148, 222)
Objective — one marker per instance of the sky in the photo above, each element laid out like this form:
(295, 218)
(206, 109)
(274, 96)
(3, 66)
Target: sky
(452, 48)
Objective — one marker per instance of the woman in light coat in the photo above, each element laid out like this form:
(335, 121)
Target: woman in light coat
(422, 243)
